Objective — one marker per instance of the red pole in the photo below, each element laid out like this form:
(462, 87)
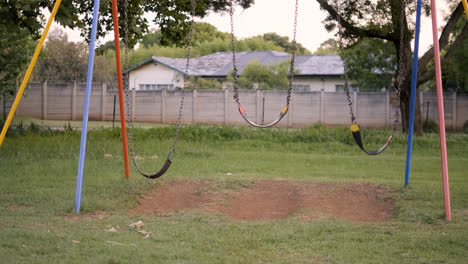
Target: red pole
(120, 85)
(440, 103)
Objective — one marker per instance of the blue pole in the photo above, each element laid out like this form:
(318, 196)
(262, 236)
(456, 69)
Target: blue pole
(84, 128)
(414, 79)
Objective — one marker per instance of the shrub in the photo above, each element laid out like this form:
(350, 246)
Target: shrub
(430, 126)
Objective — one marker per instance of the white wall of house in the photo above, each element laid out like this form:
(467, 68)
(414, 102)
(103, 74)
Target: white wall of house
(155, 76)
(327, 84)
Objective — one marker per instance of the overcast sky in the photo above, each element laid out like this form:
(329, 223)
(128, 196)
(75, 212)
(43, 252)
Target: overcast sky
(278, 16)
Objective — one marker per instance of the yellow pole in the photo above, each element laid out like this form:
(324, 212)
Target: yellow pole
(465, 5)
(28, 72)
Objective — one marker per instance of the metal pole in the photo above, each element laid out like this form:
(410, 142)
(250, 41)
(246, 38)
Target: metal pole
(414, 78)
(113, 113)
(123, 126)
(465, 6)
(263, 110)
(440, 104)
(84, 128)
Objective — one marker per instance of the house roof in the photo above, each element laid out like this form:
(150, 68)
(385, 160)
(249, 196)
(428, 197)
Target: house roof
(219, 64)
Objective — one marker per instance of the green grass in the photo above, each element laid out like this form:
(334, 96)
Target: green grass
(38, 178)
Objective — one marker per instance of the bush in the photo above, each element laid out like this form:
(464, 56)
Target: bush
(465, 127)
(430, 126)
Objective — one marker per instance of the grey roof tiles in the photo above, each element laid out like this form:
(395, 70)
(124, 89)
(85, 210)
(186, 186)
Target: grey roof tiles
(220, 64)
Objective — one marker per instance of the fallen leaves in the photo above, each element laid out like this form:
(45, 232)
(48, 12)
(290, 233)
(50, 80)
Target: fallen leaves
(138, 225)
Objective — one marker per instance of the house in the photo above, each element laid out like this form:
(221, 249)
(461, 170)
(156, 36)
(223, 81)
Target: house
(315, 72)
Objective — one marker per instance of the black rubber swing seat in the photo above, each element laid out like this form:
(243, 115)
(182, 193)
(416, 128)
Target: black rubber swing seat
(158, 174)
(356, 131)
(243, 113)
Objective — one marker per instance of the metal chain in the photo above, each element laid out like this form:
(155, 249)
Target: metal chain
(400, 77)
(345, 72)
(293, 56)
(129, 110)
(186, 76)
(402, 66)
(234, 65)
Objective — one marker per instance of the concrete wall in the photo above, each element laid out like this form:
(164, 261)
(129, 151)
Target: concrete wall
(64, 101)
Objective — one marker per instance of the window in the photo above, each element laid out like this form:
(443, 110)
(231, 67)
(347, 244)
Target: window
(341, 88)
(301, 88)
(156, 87)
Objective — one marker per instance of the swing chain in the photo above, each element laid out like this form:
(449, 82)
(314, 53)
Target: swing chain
(234, 65)
(345, 72)
(186, 76)
(129, 108)
(402, 70)
(293, 56)
(400, 76)
(129, 111)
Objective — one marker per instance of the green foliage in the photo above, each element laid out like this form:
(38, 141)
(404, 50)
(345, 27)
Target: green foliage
(465, 127)
(203, 83)
(62, 60)
(205, 32)
(430, 126)
(455, 69)
(151, 38)
(16, 48)
(329, 46)
(371, 64)
(171, 16)
(258, 76)
(284, 42)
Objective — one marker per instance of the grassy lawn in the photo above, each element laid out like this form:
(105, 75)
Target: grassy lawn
(77, 124)
(38, 180)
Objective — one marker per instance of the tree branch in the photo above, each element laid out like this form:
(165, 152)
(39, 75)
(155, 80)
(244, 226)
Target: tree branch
(443, 40)
(428, 75)
(350, 28)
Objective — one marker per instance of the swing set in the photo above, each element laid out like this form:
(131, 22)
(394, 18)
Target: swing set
(123, 83)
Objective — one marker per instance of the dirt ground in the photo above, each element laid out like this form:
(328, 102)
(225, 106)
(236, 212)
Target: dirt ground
(264, 200)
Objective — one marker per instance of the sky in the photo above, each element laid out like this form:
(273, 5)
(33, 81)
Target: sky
(278, 16)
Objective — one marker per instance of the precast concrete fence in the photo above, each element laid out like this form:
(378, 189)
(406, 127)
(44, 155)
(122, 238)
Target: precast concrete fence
(64, 101)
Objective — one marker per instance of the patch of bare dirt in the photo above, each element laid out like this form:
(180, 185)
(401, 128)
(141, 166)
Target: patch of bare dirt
(274, 199)
(172, 197)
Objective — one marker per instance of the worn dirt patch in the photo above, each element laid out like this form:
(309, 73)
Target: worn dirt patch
(274, 199)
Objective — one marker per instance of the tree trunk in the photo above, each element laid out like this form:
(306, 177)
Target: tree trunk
(405, 101)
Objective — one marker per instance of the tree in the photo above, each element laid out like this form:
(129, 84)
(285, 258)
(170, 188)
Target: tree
(258, 76)
(151, 38)
(172, 17)
(371, 64)
(284, 42)
(195, 82)
(14, 58)
(205, 32)
(62, 60)
(387, 20)
(329, 46)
